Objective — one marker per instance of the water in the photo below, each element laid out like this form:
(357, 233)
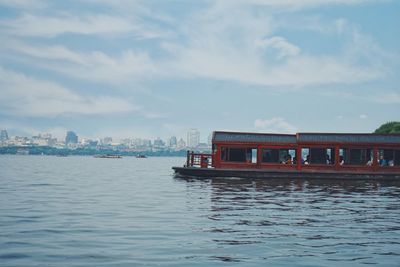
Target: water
(83, 211)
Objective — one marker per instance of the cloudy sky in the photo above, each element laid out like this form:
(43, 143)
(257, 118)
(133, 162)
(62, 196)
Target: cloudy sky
(157, 68)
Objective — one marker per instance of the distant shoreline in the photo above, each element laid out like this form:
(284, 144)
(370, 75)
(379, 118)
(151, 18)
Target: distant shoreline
(52, 151)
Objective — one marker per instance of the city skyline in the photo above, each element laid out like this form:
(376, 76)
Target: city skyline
(72, 138)
(157, 69)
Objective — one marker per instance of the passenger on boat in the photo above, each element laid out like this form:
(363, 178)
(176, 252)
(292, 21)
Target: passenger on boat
(382, 161)
(328, 159)
(307, 161)
(289, 160)
(341, 160)
(369, 162)
(294, 160)
(391, 163)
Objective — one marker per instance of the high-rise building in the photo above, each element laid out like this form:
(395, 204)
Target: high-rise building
(181, 144)
(193, 138)
(3, 136)
(71, 138)
(107, 140)
(158, 142)
(172, 141)
(209, 139)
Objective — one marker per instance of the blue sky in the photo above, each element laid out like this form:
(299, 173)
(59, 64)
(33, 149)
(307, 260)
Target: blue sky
(157, 68)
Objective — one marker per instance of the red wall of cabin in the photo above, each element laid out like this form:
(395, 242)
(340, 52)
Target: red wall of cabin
(218, 163)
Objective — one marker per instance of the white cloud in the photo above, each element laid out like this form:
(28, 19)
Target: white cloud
(230, 50)
(32, 25)
(99, 24)
(386, 98)
(379, 96)
(95, 66)
(24, 4)
(26, 96)
(296, 4)
(221, 42)
(284, 47)
(274, 125)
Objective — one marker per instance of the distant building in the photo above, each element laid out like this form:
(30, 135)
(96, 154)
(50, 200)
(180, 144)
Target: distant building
(71, 138)
(209, 139)
(181, 144)
(193, 138)
(43, 139)
(107, 141)
(172, 142)
(19, 141)
(158, 142)
(3, 136)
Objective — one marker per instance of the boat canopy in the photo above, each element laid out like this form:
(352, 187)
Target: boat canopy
(253, 137)
(353, 138)
(348, 138)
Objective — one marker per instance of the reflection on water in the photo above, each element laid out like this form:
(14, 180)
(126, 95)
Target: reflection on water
(83, 211)
(305, 222)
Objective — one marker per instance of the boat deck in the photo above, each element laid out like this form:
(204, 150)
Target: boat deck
(291, 174)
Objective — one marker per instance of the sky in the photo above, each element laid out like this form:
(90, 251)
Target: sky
(151, 69)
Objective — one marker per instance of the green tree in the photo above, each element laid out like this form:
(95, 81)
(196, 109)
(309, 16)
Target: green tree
(392, 127)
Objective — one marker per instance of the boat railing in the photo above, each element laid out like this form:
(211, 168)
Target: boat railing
(200, 160)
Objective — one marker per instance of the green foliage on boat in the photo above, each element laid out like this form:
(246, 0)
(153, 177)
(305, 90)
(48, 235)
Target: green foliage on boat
(392, 127)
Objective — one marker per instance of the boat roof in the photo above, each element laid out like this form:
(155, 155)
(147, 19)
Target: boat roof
(245, 137)
(253, 137)
(348, 138)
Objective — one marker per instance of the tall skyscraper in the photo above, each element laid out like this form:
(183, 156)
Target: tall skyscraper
(107, 140)
(3, 136)
(209, 139)
(181, 144)
(193, 138)
(71, 138)
(172, 142)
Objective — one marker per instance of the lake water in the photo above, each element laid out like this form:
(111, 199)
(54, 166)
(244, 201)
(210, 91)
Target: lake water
(84, 211)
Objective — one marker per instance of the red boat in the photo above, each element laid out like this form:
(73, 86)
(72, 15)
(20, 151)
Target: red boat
(301, 155)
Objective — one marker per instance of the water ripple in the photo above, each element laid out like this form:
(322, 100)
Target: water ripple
(80, 211)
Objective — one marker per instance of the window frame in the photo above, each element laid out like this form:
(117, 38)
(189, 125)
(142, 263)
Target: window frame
(277, 165)
(372, 155)
(379, 149)
(319, 165)
(245, 147)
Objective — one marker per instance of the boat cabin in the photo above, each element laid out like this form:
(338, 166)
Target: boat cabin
(301, 152)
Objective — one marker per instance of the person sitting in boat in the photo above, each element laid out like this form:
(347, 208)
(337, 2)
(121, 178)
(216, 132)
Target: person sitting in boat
(391, 162)
(294, 160)
(307, 161)
(289, 160)
(328, 159)
(341, 160)
(369, 162)
(382, 161)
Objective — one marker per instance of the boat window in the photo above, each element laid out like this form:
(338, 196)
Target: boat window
(239, 154)
(224, 154)
(253, 155)
(355, 156)
(389, 157)
(318, 156)
(282, 156)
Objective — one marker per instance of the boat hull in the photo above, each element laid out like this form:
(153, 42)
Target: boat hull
(292, 174)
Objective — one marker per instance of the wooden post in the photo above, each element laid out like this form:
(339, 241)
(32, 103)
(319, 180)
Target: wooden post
(375, 162)
(337, 163)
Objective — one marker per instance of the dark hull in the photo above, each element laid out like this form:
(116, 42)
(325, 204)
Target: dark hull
(266, 174)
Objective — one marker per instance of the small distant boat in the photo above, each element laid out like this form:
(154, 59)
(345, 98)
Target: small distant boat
(108, 156)
(140, 156)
